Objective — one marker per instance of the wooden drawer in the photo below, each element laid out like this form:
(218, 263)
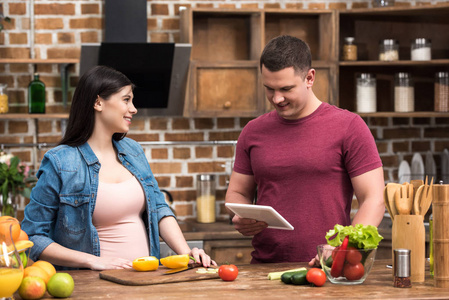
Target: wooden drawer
(224, 89)
(227, 251)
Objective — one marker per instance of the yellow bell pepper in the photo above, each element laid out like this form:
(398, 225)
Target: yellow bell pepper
(146, 263)
(176, 261)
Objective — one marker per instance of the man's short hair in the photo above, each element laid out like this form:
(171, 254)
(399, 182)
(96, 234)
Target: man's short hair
(286, 51)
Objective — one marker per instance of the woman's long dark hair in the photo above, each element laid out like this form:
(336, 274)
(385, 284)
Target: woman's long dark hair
(99, 81)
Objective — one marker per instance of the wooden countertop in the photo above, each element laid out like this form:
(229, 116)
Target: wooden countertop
(252, 283)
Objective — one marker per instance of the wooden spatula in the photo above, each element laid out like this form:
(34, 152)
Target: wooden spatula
(417, 200)
(403, 199)
(426, 198)
(387, 204)
(391, 190)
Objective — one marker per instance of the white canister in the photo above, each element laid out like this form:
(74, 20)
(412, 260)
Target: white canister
(366, 93)
(421, 49)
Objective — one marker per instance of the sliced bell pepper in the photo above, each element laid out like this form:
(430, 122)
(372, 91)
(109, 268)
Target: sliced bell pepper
(339, 259)
(176, 261)
(146, 263)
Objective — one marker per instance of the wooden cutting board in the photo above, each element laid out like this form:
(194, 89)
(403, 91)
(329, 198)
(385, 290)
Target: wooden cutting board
(133, 277)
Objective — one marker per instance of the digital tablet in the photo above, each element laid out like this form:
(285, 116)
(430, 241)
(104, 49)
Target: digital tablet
(260, 213)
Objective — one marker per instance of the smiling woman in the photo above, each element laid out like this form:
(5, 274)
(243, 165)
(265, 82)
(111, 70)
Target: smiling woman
(107, 209)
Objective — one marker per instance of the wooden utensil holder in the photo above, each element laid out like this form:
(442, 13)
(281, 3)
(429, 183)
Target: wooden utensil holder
(408, 233)
(440, 211)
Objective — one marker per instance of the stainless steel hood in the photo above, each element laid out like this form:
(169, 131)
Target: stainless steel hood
(159, 70)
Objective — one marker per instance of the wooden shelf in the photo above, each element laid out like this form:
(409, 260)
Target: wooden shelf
(39, 61)
(415, 114)
(8, 116)
(435, 62)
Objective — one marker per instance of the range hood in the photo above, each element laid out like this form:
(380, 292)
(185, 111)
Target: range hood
(159, 70)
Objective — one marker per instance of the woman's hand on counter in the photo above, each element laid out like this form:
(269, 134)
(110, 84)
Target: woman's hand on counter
(108, 263)
(200, 256)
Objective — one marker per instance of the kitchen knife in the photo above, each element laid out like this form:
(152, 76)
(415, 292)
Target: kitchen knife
(177, 270)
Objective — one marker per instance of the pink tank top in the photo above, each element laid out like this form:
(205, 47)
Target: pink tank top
(117, 218)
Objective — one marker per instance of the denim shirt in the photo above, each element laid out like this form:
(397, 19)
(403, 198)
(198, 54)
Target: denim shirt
(63, 201)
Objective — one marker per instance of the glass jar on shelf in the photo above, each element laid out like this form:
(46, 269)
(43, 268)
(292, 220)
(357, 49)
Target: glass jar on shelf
(388, 50)
(366, 93)
(421, 49)
(383, 3)
(205, 198)
(404, 93)
(442, 91)
(349, 49)
(4, 108)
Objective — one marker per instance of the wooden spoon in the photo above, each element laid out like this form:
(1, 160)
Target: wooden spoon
(387, 204)
(391, 190)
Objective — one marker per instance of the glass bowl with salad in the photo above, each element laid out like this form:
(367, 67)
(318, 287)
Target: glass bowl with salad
(349, 254)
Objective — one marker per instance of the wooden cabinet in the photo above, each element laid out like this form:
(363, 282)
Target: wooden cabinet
(229, 251)
(226, 44)
(224, 75)
(368, 27)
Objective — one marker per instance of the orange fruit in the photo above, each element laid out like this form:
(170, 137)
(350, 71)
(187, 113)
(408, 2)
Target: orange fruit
(23, 236)
(36, 272)
(46, 266)
(5, 224)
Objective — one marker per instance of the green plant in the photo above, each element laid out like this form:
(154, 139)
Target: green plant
(14, 179)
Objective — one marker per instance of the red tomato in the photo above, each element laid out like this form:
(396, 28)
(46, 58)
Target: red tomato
(353, 272)
(316, 276)
(353, 256)
(228, 272)
(335, 251)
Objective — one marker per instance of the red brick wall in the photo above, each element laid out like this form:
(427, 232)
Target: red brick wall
(62, 26)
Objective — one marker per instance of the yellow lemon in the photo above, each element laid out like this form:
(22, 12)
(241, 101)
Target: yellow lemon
(146, 263)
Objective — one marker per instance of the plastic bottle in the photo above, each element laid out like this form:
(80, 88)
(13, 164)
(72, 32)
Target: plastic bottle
(36, 96)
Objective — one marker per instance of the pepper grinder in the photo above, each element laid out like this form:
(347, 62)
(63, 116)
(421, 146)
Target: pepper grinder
(440, 211)
(401, 268)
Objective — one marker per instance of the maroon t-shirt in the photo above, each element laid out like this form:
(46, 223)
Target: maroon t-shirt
(303, 169)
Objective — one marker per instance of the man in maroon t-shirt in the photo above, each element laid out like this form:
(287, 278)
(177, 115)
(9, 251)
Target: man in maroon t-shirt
(306, 158)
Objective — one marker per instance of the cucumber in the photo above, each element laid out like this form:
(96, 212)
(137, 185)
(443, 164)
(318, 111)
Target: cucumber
(297, 278)
(300, 278)
(287, 277)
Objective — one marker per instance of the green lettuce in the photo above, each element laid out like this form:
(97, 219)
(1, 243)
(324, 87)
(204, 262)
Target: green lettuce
(360, 236)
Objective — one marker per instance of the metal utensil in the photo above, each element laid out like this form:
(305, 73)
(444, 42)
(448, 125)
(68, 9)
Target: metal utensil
(182, 269)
